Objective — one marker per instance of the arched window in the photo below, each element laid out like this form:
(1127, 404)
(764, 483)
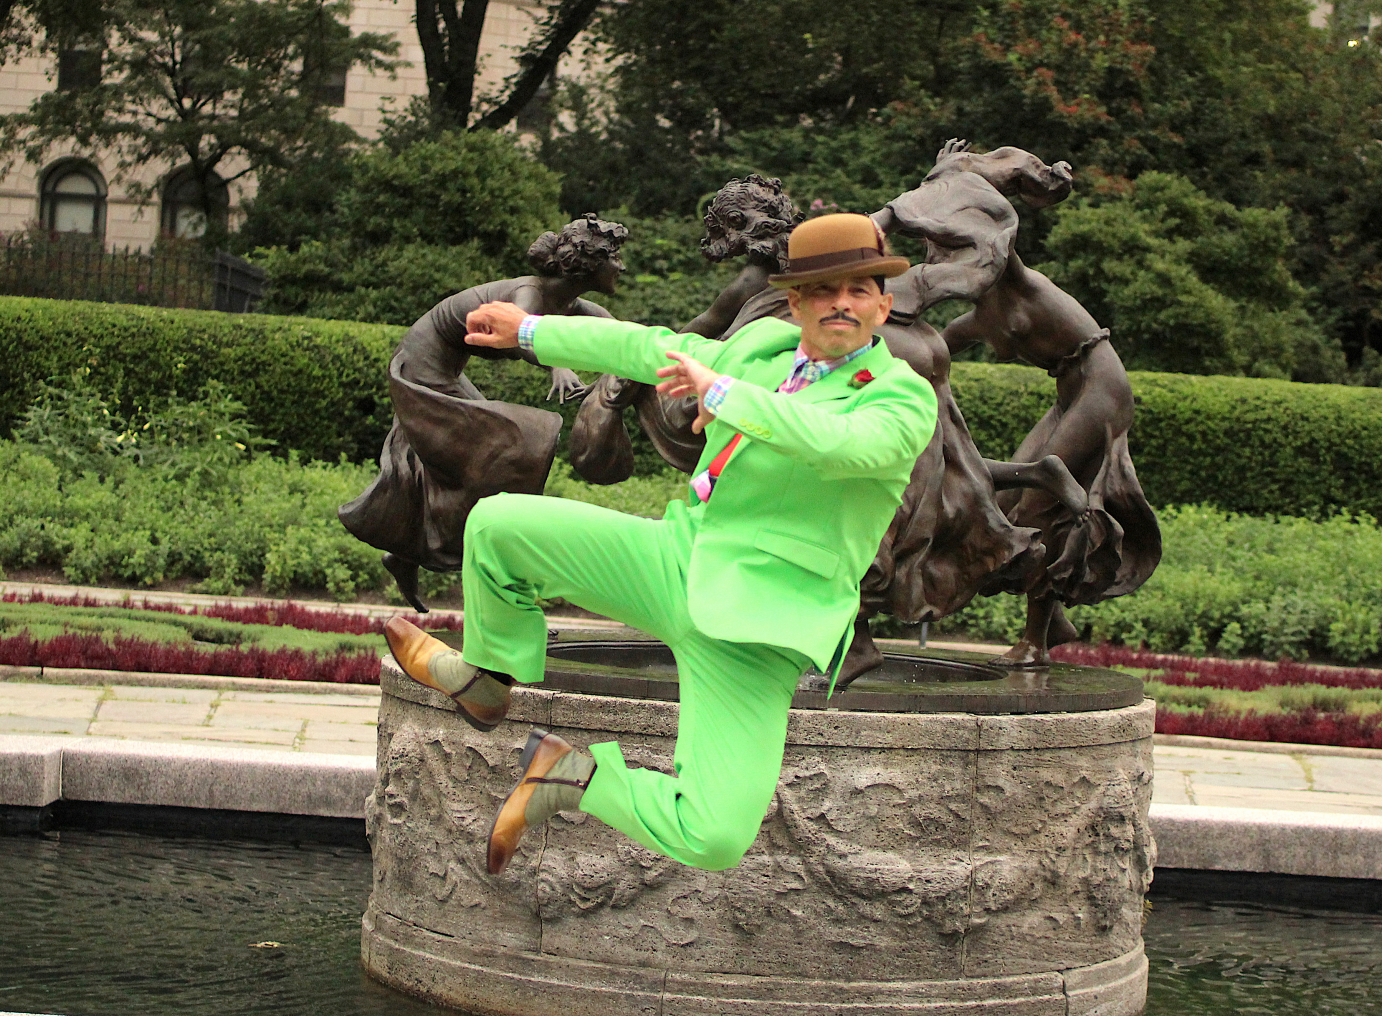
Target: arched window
(183, 215)
(73, 200)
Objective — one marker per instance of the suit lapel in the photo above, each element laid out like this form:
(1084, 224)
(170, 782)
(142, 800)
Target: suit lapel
(835, 385)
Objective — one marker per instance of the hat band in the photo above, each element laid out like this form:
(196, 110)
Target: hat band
(834, 259)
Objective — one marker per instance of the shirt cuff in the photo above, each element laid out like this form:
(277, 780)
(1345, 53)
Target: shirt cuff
(715, 395)
(526, 328)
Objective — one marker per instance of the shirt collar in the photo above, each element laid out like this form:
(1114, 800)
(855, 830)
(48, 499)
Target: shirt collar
(814, 370)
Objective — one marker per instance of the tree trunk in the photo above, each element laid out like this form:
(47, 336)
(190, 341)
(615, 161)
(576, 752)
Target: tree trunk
(541, 60)
(450, 39)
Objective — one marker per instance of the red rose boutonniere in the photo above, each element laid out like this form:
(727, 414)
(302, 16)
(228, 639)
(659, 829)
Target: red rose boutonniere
(860, 379)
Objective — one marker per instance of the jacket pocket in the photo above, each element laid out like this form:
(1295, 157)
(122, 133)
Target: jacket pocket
(811, 556)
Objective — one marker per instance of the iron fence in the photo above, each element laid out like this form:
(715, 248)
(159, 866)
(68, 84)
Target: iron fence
(171, 275)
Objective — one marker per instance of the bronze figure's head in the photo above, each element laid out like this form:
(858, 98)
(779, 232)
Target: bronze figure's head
(751, 215)
(585, 246)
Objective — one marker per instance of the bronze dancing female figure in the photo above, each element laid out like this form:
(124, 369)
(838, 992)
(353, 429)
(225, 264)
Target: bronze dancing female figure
(450, 446)
(961, 211)
(750, 217)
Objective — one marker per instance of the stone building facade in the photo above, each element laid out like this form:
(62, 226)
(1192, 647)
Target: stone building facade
(71, 193)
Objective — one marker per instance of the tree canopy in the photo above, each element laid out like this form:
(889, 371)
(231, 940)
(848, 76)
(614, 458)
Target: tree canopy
(227, 88)
(1243, 99)
(399, 230)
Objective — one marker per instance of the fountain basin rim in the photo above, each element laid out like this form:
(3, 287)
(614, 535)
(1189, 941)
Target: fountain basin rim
(981, 685)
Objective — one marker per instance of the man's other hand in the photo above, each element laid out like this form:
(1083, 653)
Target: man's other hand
(494, 324)
(688, 377)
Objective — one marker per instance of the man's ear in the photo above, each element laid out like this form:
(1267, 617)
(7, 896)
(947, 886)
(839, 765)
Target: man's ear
(884, 306)
(794, 303)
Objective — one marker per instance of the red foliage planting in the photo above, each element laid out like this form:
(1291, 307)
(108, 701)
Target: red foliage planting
(1305, 727)
(284, 613)
(1209, 672)
(90, 651)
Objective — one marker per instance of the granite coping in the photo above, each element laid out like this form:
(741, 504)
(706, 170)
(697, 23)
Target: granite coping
(1204, 838)
(36, 771)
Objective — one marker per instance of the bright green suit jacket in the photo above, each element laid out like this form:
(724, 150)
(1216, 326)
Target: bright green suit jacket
(800, 508)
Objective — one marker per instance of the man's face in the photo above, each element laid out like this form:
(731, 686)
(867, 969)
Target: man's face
(839, 315)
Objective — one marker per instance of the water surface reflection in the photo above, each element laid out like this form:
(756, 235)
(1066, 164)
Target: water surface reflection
(116, 924)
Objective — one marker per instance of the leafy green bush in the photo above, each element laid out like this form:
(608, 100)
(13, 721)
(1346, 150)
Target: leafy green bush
(195, 441)
(182, 497)
(408, 226)
(315, 386)
(1234, 584)
(1189, 283)
(140, 526)
(393, 284)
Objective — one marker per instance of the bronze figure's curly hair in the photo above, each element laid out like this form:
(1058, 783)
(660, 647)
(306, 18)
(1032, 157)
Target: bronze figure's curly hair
(579, 248)
(767, 236)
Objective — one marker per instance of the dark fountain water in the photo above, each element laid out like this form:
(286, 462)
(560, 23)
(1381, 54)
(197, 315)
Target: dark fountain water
(113, 924)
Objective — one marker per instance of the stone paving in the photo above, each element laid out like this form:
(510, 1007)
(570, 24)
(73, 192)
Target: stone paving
(1206, 776)
(335, 724)
(345, 724)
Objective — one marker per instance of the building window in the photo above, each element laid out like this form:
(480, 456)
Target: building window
(331, 90)
(536, 116)
(183, 214)
(79, 68)
(73, 200)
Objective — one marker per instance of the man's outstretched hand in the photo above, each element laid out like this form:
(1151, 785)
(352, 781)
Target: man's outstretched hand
(494, 324)
(688, 377)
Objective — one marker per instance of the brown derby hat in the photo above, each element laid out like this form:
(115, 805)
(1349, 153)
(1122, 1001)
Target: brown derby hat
(841, 246)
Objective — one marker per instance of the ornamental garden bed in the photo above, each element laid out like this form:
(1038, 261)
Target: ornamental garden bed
(282, 641)
(1250, 700)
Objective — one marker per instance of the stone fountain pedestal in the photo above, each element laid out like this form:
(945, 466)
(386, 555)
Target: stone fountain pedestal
(973, 860)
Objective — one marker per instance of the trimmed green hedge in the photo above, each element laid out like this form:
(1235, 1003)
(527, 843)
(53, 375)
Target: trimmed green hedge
(1243, 444)
(314, 386)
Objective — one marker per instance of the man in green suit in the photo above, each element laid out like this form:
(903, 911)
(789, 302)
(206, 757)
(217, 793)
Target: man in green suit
(812, 432)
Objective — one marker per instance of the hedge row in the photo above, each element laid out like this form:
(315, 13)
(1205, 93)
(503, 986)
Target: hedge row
(1243, 444)
(314, 386)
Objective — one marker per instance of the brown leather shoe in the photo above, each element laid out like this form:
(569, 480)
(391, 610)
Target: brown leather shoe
(481, 697)
(554, 779)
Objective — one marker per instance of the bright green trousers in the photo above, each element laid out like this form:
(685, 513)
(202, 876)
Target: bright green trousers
(734, 696)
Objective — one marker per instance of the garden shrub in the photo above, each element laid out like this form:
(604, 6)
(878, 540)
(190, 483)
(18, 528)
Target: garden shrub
(1231, 584)
(404, 226)
(138, 526)
(1249, 445)
(1190, 283)
(319, 387)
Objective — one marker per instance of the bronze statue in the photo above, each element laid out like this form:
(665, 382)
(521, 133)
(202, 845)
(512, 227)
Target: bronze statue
(949, 539)
(450, 446)
(962, 212)
(750, 216)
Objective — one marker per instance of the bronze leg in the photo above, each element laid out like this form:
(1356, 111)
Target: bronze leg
(1048, 473)
(1031, 649)
(405, 577)
(863, 655)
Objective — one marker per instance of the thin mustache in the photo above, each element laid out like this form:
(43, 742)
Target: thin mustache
(840, 315)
